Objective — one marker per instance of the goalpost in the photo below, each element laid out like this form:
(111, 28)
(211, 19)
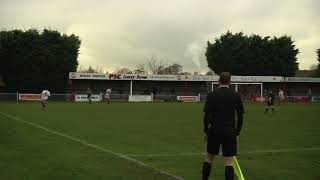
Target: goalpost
(139, 98)
(248, 90)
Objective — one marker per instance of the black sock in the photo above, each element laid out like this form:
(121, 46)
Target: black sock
(267, 109)
(229, 173)
(206, 169)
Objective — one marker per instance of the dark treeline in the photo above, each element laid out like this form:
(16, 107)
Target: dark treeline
(252, 55)
(31, 61)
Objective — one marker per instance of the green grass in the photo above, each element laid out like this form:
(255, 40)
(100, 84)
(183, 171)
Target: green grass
(27, 152)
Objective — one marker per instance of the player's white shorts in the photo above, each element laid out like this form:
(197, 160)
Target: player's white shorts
(281, 98)
(107, 96)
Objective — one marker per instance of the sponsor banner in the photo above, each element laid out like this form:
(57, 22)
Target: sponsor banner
(256, 79)
(30, 97)
(188, 98)
(127, 77)
(140, 98)
(94, 76)
(84, 98)
(162, 77)
(211, 78)
(155, 77)
(301, 79)
(197, 78)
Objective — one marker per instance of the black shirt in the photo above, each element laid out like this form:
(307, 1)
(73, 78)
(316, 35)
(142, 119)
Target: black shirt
(220, 109)
(271, 95)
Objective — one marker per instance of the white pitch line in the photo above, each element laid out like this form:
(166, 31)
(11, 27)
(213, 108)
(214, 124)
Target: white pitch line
(248, 152)
(91, 145)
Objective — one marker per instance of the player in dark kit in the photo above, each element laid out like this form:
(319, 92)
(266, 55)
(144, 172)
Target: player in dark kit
(270, 102)
(89, 93)
(309, 95)
(221, 127)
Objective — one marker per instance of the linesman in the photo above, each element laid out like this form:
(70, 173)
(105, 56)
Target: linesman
(221, 127)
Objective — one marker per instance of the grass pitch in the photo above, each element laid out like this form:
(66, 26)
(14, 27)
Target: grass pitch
(83, 141)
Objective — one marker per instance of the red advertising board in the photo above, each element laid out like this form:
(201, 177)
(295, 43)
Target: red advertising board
(29, 97)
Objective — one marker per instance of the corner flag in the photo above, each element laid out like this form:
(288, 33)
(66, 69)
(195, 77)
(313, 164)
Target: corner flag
(237, 169)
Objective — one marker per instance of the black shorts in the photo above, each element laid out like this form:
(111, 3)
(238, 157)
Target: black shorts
(270, 103)
(228, 143)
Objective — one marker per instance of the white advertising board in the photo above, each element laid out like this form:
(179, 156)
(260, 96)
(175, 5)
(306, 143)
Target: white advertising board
(188, 98)
(84, 98)
(155, 77)
(93, 76)
(140, 98)
(301, 79)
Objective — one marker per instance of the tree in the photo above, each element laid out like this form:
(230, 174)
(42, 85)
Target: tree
(313, 67)
(161, 70)
(31, 61)
(91, 70)
(124, 71)
(185, 73)
(305, 73)
(140, 69)
(209, 73)
(154, 64)
(173, 69)
(252, 55)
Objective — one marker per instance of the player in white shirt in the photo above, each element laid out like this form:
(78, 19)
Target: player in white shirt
(108, 94)
(281, 96)
(44, 96)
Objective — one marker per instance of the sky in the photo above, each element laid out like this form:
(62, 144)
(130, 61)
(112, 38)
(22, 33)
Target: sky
(124, 33)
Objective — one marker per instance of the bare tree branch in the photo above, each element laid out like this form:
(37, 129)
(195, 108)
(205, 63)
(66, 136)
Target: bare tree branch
(154, 64)
(140, 69)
